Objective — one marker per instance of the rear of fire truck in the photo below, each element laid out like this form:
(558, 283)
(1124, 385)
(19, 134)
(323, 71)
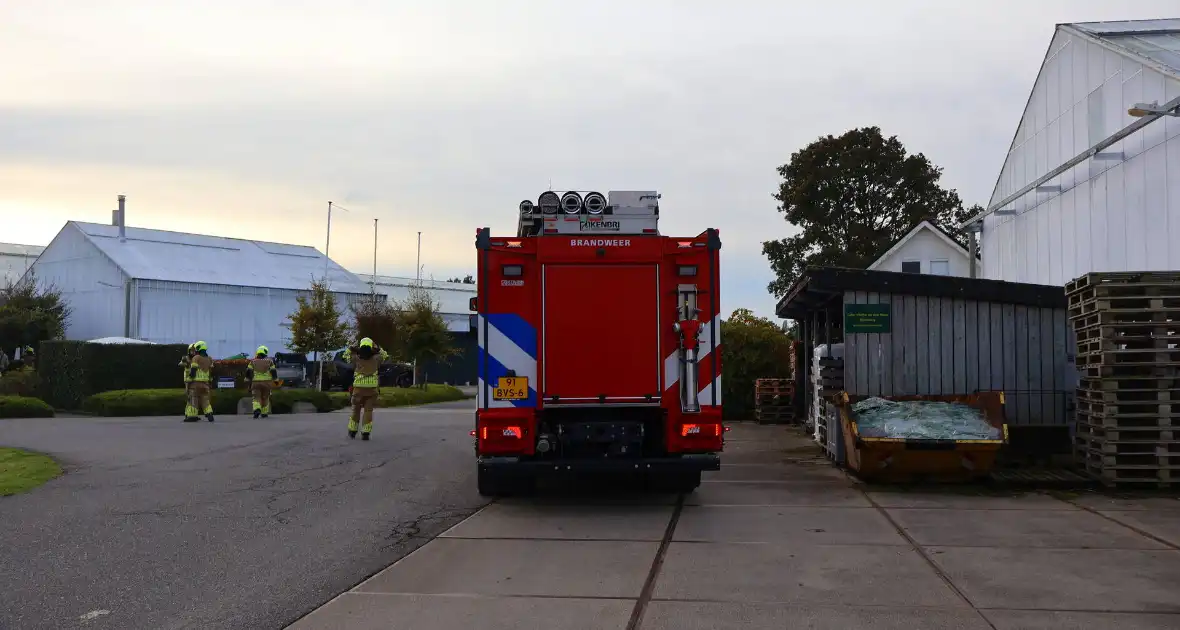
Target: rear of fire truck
(599, 348)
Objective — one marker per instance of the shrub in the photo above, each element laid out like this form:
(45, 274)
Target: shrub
(24, 407)
(753, 348)
(235, 368)
(72, 370)
(404, 396)
(20, 382)
(170, 402)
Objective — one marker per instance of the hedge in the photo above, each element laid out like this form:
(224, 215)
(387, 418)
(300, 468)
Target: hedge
(24, 407)
(20, 382)
(401, 397)
(73, 370)
(171, 402)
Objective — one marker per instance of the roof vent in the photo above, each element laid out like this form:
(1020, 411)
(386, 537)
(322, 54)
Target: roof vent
(121, 215)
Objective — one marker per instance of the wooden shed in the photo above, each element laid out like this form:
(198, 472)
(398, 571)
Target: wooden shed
(910, 334)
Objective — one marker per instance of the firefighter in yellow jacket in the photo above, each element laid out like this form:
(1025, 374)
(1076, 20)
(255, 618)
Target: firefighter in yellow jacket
(366, 359)
(200, 374)
(261, 374)
(185, 363)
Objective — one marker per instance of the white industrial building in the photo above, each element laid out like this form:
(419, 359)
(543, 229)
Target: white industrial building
(168, 287)
(926, 249)
(1092, 179)
(452, 298)
(15, 260)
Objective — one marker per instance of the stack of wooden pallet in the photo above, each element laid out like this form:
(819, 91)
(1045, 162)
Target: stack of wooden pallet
(774, 400)
(1128, 406)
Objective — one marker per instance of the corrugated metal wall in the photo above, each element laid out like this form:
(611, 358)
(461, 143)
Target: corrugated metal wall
(89, 282)
(230, 319)
(951, 346)
(1114, 212)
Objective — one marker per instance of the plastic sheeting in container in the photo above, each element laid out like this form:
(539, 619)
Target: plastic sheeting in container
(922, 419)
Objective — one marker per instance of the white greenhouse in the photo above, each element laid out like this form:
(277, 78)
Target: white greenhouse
(1092, 179)
(168, 287)
(15, 260)
(453, 298)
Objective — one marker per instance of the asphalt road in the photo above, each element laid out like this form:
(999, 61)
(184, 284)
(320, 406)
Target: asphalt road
(242, 523)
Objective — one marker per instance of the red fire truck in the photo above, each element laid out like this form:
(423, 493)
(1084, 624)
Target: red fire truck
(599, 346)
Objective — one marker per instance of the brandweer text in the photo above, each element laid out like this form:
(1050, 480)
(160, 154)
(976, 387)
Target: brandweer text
(600, 242)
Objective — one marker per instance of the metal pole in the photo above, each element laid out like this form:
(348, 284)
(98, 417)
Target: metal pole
(373, 284)
(328, 241)
(418, 265)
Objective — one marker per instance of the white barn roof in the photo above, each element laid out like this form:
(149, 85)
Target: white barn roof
(178, 257)
(1155, 42)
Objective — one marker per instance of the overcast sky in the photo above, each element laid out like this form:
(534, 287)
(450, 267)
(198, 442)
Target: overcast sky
(244, 118)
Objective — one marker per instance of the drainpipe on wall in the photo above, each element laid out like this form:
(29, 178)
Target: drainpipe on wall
(973, 231)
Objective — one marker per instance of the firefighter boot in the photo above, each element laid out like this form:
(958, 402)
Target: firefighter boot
(257, 411)
(352, 427)
(366, 429)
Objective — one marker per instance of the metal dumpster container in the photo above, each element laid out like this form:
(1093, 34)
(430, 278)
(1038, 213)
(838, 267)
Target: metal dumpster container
(908, 460)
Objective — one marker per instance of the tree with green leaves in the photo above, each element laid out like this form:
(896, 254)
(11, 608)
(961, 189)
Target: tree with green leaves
(421, 332)
(31, 313)
(851, 197)
(755, 347)
(316, 325)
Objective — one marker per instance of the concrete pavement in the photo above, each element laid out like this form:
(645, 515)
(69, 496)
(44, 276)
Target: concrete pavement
(780, 539)
(242, 523)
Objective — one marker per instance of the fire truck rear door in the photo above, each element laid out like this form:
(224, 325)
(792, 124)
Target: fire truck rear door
(601, 333)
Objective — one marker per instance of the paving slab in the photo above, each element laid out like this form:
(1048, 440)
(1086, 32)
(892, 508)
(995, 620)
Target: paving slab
(814, 494)
(808, 525)
(357, 611)
(1163, 524)
(802, 574)
(1109, 580)
(1099, 501)
(520, 567)
(568, 522)
(968, 501)
(1072, 529)
(774, 472)
(1042, 620)
(734, 616)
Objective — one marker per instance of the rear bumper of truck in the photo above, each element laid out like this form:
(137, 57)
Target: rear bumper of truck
(684, 463)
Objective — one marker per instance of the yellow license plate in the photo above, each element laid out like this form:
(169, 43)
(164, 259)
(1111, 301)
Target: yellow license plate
(511, 388)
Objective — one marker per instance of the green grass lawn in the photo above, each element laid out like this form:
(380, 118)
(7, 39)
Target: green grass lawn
(21, 470)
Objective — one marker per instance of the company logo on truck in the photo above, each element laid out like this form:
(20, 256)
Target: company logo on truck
(600, 242)
(597, 224)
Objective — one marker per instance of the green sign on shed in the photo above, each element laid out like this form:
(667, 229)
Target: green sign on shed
(866, 318)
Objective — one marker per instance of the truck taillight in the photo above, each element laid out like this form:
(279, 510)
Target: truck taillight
(701, 430)
(502, 432)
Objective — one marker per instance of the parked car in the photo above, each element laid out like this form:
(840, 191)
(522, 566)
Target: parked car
(291, 368)
(391, 374)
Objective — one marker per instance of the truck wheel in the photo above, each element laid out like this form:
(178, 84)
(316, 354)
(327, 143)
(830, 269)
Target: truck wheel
(690, 481)
(404, 381)
(677, 482)
(490, 484)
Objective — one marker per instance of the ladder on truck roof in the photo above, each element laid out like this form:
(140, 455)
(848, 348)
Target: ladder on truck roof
(574, 212)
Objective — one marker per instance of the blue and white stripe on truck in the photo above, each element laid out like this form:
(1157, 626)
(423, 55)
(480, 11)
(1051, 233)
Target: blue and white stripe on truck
(511, 344)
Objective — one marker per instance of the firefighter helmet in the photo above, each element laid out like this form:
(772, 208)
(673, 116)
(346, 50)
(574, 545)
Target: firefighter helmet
(366, 343)
(263, 350)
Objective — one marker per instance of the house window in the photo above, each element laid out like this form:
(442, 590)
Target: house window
(911, 266)
(940, 268)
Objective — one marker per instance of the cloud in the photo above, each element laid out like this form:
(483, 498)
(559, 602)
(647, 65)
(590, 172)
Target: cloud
(245, 119)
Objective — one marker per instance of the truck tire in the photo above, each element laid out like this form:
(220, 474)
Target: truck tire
(690, 481)
(490, 484)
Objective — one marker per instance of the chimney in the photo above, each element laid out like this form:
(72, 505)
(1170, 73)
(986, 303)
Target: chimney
(115, 218)
(122, 217)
